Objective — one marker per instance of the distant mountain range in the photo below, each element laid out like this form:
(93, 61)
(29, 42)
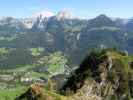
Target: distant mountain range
(63, 32)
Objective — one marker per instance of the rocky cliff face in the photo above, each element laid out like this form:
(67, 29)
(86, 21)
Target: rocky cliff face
(103, 74)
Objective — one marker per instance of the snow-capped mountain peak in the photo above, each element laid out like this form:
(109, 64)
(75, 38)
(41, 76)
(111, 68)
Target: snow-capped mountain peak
(43, 14)
(64, 15)
(28, 22)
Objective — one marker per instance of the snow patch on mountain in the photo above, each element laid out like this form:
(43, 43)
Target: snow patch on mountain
(64, 15)
(28, 22)
(44, 14)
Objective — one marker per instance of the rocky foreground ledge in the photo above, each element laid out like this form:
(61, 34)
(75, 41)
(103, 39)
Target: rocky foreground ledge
(103, 75)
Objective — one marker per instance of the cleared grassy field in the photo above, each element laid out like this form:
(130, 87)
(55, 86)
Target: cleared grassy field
(10, 94)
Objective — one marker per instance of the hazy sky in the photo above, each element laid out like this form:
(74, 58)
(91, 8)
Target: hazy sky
(81, 8)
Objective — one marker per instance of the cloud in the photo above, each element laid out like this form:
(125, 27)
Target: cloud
(44, 13)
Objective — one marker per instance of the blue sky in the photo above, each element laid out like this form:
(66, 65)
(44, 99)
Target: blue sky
(81, 8)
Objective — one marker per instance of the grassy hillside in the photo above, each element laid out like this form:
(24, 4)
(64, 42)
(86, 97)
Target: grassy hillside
(103, 74)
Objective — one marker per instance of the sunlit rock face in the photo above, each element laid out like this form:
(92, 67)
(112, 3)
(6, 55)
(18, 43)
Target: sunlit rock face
(101, 73)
